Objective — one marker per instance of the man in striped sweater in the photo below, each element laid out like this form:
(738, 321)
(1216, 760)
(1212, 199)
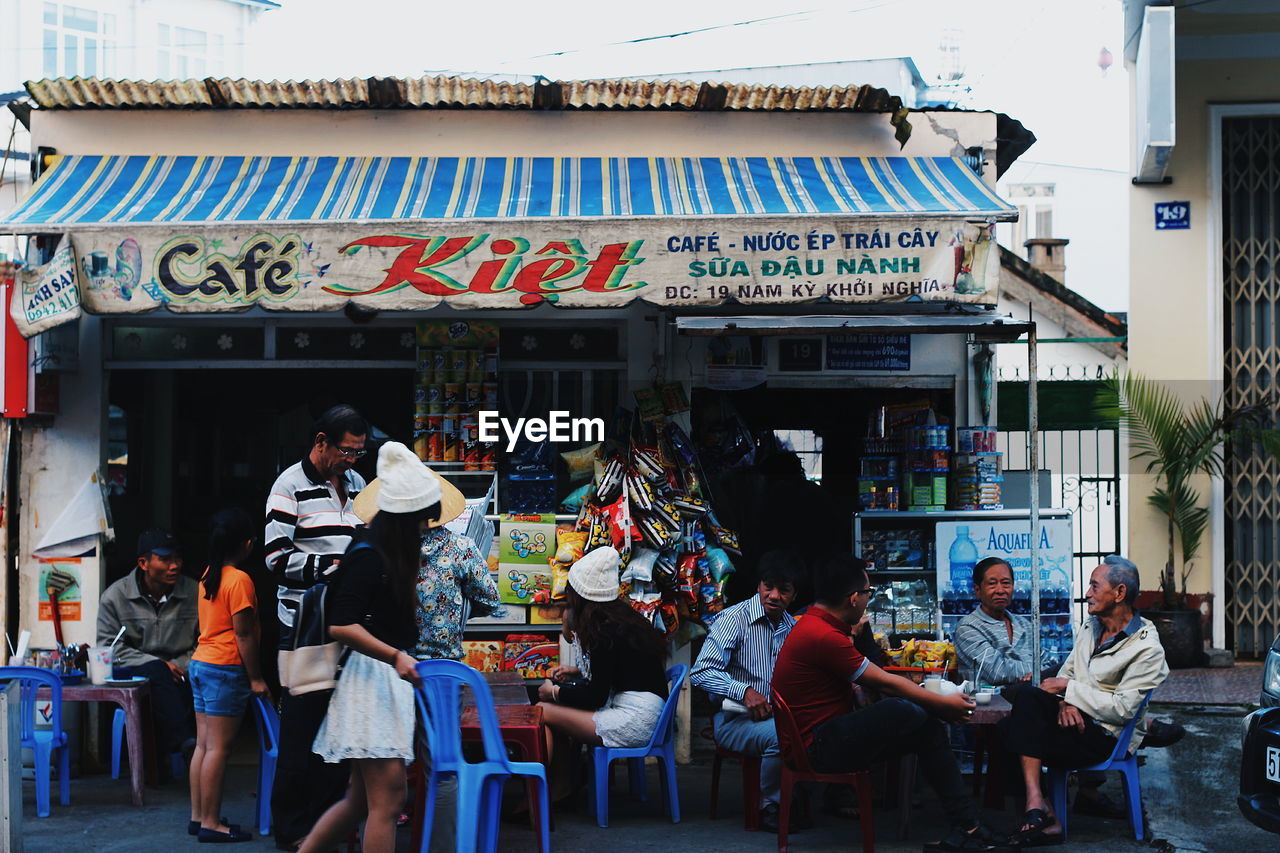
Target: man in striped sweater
(310, 521)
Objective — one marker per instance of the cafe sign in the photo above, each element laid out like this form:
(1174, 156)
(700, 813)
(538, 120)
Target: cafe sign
(503, 264)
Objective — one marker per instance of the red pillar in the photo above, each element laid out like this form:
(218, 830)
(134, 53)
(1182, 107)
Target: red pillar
(15, 357)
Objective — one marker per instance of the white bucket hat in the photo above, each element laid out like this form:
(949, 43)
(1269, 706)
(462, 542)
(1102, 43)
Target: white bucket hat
(595, 575)
(407, 485)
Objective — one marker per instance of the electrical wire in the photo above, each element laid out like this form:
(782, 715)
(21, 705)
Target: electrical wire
(697, 31)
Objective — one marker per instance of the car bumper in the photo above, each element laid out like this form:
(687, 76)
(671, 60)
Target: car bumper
(1261, 810)
(1259, 797)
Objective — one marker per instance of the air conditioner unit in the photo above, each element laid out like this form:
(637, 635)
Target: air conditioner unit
(1155, 95)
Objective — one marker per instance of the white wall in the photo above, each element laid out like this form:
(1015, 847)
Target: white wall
(505, 133)
(1090, 208)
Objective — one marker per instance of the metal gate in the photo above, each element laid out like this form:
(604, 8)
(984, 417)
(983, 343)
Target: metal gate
(1251, 291)
(1086, 480)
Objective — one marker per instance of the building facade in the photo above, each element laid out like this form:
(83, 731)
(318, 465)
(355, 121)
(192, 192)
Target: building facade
(1203, 286)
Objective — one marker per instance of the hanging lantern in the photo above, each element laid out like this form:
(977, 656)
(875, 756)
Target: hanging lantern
(1104, 60)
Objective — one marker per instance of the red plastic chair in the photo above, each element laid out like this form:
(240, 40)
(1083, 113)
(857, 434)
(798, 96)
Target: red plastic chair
(750, 780)
(796, 768)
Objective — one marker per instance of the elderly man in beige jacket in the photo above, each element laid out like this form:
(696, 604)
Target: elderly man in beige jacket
(1072, 720)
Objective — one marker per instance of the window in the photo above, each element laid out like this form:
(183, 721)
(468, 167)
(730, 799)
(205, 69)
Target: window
(186, 53)
(78, 42)
(807, 445)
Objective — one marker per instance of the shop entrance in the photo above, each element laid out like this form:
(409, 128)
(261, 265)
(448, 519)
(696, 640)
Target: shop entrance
(773, 503)
(183, 444)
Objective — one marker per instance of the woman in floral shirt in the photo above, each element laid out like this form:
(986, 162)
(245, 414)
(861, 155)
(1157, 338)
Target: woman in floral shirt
(452, 573)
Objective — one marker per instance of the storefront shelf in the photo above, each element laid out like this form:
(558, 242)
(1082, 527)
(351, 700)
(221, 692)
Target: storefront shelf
(514, 628)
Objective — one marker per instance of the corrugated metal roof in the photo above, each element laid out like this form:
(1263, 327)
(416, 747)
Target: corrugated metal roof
(450, 93)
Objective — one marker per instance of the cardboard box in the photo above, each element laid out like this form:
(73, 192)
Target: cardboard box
(546, 614)
(483, 655)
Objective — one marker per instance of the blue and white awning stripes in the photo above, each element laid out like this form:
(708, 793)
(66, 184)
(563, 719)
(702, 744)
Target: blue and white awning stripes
(100, 190)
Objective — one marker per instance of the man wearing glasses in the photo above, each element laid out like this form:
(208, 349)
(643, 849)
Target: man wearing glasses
(310, 521)
(812, 682)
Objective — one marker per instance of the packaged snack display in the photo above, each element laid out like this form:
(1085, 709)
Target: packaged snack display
(559, 580)
(531, 655)
(581, 462)
(457, 362)
(575, 499)
(570, 546)
(641, 566)
(483, 655)
(719, 563)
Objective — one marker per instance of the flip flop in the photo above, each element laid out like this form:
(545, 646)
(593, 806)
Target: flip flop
(1035, 821)
(1038, 838)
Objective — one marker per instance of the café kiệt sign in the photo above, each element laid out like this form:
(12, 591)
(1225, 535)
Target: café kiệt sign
(416, 266)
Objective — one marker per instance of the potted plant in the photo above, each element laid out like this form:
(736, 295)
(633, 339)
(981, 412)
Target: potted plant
(1178, 441)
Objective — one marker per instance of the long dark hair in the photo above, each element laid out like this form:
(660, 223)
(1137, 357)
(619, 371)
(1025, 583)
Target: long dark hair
(228, 530)
(600, 624)
(397, 537)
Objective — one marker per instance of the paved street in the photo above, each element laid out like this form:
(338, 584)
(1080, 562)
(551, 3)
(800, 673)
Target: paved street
(1189, 792)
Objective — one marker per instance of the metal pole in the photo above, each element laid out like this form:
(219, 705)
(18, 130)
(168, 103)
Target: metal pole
(1033, 453)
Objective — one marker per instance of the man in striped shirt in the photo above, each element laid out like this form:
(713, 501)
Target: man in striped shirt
(735, 666)
(310, 521)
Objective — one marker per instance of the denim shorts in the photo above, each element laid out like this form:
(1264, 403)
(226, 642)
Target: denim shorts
(218, 690)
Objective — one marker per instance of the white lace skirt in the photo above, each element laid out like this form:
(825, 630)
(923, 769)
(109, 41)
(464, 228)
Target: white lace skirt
(628, 718)
(370, 714)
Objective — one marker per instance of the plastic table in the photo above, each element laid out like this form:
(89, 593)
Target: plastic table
(136, 702)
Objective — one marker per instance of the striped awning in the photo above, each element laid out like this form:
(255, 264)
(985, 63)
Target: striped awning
(99, 191)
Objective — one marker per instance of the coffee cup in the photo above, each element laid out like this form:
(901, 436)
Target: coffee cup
(983, 697)
(100, 665)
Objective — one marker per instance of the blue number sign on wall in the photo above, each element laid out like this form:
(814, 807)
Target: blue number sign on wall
(1173, 214)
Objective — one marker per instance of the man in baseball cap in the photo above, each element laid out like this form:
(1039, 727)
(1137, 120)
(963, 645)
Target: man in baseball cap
(156, 604)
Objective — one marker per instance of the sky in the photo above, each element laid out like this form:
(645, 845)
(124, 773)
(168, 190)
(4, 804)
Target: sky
(1036, 60)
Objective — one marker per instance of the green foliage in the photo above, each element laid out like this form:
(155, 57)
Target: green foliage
(1178, 441)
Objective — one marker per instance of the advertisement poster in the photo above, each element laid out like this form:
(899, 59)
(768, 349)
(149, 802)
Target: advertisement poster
(78, 593)
(961, 544)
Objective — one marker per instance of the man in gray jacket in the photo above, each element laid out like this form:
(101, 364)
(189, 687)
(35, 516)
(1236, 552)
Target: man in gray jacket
(1072, 720)
(156, 604)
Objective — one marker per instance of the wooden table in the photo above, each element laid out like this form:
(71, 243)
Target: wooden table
(136, 702)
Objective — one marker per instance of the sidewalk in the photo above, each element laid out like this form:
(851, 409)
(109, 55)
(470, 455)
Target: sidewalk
(1235, 685)
(1190, 802)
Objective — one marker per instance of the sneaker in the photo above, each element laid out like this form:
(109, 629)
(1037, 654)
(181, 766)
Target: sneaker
(1161, 733)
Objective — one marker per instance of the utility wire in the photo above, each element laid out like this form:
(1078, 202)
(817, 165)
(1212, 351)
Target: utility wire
(699, 30)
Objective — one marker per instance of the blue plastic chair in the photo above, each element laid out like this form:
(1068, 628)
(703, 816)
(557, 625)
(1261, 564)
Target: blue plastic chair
(268, 752)
(1120, 760)
(479, 783)
(43, 742)
(177, 763)
(661, 746)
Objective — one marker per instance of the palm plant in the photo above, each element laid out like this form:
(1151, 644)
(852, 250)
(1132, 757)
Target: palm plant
(1178, 441)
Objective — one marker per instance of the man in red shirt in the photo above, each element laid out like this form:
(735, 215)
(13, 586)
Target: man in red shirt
(814, 674)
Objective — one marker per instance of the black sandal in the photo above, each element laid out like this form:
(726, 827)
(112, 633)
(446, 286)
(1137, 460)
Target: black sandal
(979, 838)
(1034, 835)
